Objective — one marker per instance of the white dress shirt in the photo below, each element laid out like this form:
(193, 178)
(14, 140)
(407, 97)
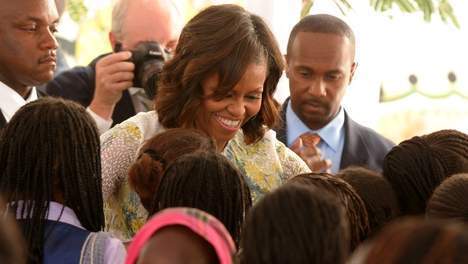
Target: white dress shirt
(11, 101)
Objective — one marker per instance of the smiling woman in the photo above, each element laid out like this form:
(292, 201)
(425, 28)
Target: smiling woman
(221, 81)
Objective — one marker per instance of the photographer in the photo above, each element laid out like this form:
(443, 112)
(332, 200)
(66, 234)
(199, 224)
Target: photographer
(106, 85)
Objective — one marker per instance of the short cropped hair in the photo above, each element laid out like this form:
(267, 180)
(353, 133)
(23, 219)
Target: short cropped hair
(376, 192)
(321, 23)
(223, 40)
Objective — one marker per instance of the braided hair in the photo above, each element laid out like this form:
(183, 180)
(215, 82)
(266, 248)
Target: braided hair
(157, 153)
(50, 151)
(418, 165)
(354, 206)
(376, 192)
(449, 200)
(414, 240)
(295, 224)
(206, 181)
(12, 248)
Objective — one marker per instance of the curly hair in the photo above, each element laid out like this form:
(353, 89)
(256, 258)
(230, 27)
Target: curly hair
(222, 40)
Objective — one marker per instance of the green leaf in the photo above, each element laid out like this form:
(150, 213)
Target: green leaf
(307, 5)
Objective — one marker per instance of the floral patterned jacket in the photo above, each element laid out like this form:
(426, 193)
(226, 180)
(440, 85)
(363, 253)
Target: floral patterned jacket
(266, 164)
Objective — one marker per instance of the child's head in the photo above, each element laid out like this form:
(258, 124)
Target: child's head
(157, 153)
(182, 235)
(376, 192)
(50, 151)
(207, 181)
(415, 240)
(418, 165)
(295, 224)
(354, 206)
(450, 199)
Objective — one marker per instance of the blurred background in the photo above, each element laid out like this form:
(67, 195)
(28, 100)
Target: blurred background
(412, 75)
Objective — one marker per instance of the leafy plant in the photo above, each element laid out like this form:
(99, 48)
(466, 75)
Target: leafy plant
(427, 7)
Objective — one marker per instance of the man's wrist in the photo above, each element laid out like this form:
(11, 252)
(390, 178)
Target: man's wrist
(103, 110)
(102, 124)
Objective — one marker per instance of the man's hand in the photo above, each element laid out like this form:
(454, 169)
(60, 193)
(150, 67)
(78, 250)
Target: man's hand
(311, 154)
(114, 74)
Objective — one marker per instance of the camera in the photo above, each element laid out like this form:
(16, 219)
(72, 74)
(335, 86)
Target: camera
(149, 58)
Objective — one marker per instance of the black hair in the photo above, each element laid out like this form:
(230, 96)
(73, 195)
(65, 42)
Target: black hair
(206, 181)
(418, 165)
(354, 206)
(321, 23)
(376, 193)
(414, 240)
(12, 246)
(51, 149)
(449, 200)
(295, 224)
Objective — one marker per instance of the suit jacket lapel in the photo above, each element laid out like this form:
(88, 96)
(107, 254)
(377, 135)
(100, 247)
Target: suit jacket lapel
(2, 120)
(123, 109)
(354, 151)
(281, 130)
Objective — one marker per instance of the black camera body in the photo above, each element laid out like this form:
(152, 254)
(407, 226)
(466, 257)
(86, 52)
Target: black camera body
(149, 58)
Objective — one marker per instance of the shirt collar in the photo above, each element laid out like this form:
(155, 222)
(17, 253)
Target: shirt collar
(330, 134)
(134, 90)
(57, 212)
(11, 101)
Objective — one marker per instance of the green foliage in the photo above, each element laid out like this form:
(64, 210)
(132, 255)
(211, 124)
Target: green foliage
(77, 10)
(427, 7)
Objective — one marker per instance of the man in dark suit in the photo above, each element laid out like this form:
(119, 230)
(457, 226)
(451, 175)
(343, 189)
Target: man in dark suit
(27, 53)
(320, 65)
(105, 85)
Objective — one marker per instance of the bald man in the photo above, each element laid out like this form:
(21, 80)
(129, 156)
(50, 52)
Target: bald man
(105, 85)
(27, 51)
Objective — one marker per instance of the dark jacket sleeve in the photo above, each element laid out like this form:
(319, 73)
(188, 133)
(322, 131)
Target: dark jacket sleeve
(76, 84)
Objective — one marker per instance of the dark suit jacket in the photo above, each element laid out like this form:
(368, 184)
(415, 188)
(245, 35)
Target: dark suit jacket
(2, 118)
(362, 145)
(78, 84)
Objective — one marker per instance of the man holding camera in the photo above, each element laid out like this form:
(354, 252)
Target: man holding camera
(105, 86)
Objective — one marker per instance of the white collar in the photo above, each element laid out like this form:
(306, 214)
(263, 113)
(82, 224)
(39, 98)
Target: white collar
(57, 212)
(11, 101)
